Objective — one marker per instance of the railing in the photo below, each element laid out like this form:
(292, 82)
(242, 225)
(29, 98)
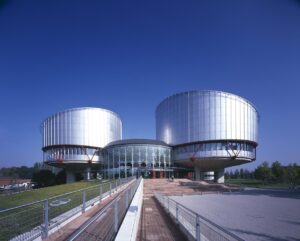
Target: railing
(32, 220)
(194, 225)
(105, 224)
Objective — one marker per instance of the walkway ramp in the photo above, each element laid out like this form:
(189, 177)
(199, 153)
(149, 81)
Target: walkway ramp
(155, 224)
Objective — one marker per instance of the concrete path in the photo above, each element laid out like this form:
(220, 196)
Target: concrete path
(254, 214)
(155, 223)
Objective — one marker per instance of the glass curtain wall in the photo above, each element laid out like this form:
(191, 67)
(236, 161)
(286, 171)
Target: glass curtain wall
(225, 149)
(71, 153)
(149, 161)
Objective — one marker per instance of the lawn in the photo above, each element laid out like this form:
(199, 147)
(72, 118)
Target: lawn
(254, 183)
(42, 193)
(21, 220)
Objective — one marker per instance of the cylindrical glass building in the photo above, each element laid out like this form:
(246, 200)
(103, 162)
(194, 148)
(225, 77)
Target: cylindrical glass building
(209, 130)
(135, 157)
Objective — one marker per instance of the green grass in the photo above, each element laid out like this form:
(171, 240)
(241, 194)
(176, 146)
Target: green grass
(254, 183)
(18, 221)
(42, 193)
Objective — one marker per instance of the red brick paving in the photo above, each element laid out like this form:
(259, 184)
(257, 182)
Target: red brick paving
(155, 223)
(67, 230)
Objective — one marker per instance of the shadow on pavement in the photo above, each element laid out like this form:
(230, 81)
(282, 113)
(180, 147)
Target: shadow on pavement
(281, 193)
(261, 236)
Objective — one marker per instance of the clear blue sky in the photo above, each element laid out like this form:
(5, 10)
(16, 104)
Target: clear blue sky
(129, 55)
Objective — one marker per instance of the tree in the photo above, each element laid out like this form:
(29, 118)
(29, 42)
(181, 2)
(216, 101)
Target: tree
(236, 173)
(247, 174)
(298, 175)
(37, 166)
(60, 177)
(291, 174)
(263, 172)
(277, 171)
(43, 178)
(22, 172)
(242, 173)
(226, 175)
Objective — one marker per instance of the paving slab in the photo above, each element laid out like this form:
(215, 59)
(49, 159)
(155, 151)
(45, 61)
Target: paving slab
(155, 223)
(254, 214)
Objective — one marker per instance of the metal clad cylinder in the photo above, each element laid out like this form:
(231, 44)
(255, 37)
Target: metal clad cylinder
(86, 126)
(205, 116)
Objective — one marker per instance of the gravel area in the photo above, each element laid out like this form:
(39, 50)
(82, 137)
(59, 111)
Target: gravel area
(254, 214)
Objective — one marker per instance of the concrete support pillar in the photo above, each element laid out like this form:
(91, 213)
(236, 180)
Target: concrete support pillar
(208, 176)
(197, 174)
(219, 176)
(70, 177)
(88, 173)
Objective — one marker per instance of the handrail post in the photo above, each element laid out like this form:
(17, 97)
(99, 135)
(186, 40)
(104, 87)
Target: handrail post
(46, 219)
(116, 216)
(126, 198)
(110, 189)
(177, 210)
(101, 193)
(198, 235)
(83, 201)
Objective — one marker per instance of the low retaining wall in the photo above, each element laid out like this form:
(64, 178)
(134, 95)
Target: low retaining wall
(129, 228)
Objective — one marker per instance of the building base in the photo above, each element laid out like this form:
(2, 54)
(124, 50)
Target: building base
(70, 177)
(219, 176)
(216, 176)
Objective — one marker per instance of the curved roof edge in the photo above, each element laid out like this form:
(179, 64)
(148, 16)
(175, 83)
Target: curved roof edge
(195, 91)
(82, 108)
(137, 141)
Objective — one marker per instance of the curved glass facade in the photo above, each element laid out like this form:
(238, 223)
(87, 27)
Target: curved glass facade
(130, 159)
(205, 116)
(225, 149)
(76, 154)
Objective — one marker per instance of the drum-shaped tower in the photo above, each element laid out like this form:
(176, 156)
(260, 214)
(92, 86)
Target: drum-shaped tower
(208, 130)
(73, 138)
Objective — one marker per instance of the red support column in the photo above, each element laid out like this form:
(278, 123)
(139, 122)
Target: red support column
(161, 174)
(153, 174)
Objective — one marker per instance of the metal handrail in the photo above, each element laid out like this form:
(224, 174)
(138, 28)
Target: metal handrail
(95, 217)
(59, 195)
(218, 228)
(42, 227)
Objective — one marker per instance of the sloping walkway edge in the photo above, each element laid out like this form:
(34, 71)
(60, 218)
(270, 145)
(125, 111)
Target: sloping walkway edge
(130, 225)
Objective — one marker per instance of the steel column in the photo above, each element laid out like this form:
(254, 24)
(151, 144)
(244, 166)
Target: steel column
(198, 235)
(116, 216)
(46, 219)
(101, 193)
(177, 210)
(83, 201)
